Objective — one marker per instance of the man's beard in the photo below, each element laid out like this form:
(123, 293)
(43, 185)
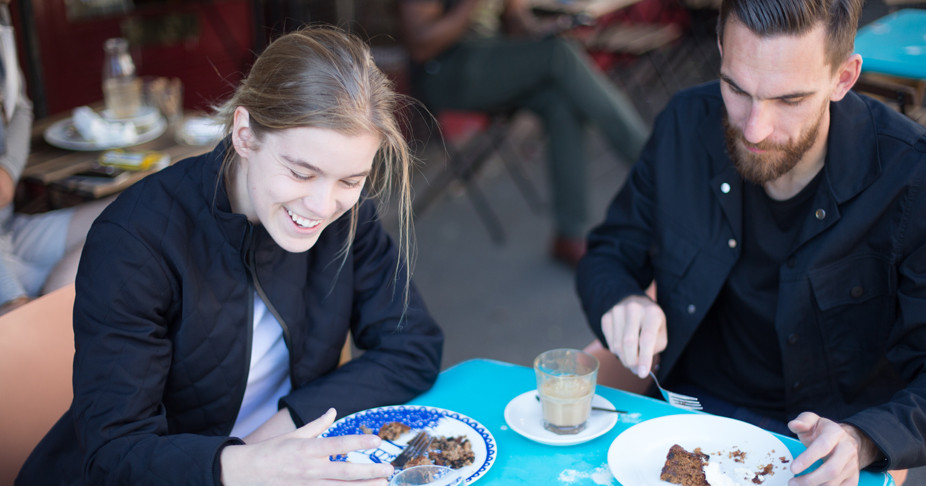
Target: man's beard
(766, 167)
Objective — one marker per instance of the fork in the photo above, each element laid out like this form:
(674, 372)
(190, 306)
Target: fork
(415, 447)
(677, 399)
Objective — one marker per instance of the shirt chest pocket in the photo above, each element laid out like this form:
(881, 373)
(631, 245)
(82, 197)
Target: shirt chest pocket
(854, 297)
(851, 281)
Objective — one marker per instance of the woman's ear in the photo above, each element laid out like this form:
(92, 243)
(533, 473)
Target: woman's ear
(242, 136)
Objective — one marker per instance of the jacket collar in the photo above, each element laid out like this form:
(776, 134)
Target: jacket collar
(234, 226)
(726, 183)
(852, 162)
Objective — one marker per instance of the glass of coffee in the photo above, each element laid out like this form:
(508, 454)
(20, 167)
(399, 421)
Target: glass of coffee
(566, 384)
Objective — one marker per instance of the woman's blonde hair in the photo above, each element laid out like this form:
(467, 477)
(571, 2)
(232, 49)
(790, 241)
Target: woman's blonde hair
(322, 77)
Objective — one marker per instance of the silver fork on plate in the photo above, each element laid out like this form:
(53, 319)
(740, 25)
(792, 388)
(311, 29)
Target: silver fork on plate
(415, 447)
(677, 399)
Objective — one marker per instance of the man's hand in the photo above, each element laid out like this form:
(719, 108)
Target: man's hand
(844, 449)
(635, 331)
(301, 457)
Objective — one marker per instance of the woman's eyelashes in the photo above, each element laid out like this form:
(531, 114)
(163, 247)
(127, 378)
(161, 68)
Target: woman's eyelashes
(297, 175)
(348, 183)
(352, 183)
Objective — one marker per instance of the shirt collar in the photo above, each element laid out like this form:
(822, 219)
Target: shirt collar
(852, 162)
(234, 226)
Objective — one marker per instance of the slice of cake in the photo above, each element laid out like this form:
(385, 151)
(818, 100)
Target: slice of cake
(392, 430)
(685, 468)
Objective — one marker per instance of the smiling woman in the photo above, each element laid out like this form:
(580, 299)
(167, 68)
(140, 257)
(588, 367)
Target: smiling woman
(208, 339)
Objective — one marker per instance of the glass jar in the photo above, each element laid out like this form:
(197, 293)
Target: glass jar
(121, 87)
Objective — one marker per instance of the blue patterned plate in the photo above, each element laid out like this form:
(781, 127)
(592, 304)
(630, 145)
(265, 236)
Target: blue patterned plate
(436, 421)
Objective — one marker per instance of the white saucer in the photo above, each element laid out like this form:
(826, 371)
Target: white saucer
(524, 415)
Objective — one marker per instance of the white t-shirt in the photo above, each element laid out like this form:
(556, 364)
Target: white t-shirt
(268, 376)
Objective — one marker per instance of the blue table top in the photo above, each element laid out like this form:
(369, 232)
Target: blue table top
(480, 389)
(895, 44)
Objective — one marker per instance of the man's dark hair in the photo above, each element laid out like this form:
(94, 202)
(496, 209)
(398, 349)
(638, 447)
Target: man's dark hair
(797, 17)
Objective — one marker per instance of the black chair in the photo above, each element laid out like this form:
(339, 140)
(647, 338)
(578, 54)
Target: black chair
(470, 139)
(903, 96)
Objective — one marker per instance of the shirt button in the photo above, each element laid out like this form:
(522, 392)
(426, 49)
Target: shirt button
(725, 188)
(792, 262)
(857, 291)
(792, 339)
(691, 308)
(731, 242)
(796, 385)
(820, 214)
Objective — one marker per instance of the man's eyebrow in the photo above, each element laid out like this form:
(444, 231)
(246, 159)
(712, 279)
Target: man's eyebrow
(788, 96)
(317, 170)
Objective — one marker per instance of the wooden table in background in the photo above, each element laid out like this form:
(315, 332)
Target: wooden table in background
(44, 183)
(623, 37)
(590, 8)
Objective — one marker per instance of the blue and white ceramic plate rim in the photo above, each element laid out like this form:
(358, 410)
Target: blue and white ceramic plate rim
(436, 421)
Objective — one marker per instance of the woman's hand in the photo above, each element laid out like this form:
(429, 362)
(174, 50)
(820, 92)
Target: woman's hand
(844, 450)
(280, 423)
(301, 457)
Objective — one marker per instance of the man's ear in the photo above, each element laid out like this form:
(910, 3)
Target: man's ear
(242, 136)
(846, 76)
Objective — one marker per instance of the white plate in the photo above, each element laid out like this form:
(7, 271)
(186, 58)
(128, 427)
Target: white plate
(524, 415)
(637, 455)
(63, 134)
(436, 421)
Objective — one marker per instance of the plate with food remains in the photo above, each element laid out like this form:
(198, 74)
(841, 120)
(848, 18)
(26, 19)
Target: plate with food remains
(63, 134)
(730, 452)
(457, 441)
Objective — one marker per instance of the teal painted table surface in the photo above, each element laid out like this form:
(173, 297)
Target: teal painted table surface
(481, 388)
(895, 44)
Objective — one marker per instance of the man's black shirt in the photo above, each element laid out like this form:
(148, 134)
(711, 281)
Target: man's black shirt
(735, 354)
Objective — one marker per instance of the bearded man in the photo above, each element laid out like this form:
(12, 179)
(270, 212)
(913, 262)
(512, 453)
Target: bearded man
(782, 218)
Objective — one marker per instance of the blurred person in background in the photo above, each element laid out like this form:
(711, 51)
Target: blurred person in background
(38, 252)
(495, 55)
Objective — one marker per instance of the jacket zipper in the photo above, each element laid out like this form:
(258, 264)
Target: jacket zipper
(252, 268)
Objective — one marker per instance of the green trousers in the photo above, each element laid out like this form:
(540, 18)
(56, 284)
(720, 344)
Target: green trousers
(553, 78)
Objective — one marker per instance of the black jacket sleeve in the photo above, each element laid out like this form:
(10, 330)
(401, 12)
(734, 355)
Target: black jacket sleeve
(122, 361)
